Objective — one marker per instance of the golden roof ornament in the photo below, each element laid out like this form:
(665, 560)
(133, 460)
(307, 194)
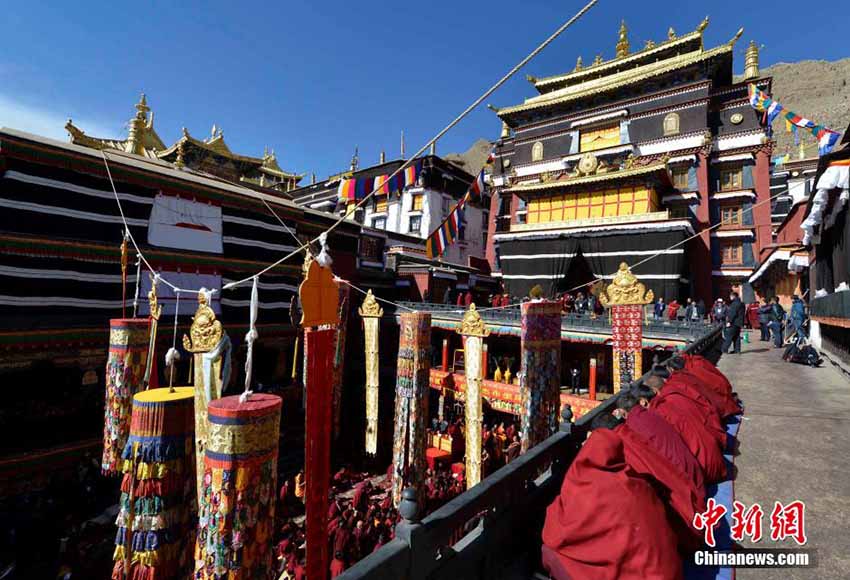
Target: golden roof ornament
(205, 332)
(472, 325)
(625, 289)
(579, 65)
(623, 41)
(531, 78)
(751, 61)
(649, 44)
(702, 25)
(370, 307)
(671, 34)
(155, 306)
(737, 36)
(506, 130)
(597, 60)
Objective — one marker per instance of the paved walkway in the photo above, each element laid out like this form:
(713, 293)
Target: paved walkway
(795, 444)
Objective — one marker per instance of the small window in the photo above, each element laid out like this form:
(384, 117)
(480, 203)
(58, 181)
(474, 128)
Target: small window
(730, 215)
(671, 124)
(679, 176)
(379, 205)
(445, 205)
(380, 223)
(417, 202)
(731, 178)
(680, 212)
(732, 252)
(537, 151)
(359, 214)
(415, 224)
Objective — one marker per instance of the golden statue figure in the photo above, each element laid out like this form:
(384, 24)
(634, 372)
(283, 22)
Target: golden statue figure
(625, 289)
(205, 332)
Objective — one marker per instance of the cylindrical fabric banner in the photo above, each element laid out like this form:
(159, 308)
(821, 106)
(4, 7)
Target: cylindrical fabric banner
(157, 505)
(125, 372)
(370, 328)
(474, 413)
(540, 374)
(236, 512)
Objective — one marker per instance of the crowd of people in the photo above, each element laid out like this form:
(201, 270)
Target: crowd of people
(644, 467)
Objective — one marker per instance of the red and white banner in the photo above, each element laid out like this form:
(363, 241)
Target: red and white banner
(185, 225)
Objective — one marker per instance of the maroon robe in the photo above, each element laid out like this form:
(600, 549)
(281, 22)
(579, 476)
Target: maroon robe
(678, 385)
(608, 523)
(666, 441)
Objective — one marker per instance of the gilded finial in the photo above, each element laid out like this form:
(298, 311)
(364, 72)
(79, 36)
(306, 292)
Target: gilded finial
(370, 307)
(531, 78)
(702, 25)
(492, 108)
(472, 325)
(155, 306)
(179, 163)
(751, 61)
(142, 105)
(623, 41)
(649, 44)
(625, 289)
(506, 130)
(597, 60)
(671, 34)
(206, 332)
(579, 65)
(737, 36)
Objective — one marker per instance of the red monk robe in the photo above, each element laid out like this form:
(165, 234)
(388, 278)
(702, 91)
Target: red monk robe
(678, 491)
(684, 416)
(667, 442)
(712, 377)
(608, 523)
(724, 404)
(680, 386)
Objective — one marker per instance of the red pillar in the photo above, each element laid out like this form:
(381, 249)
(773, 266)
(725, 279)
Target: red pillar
(761, 214)
(445, 355)
(699, 249)
(592, 380)
(484, 362)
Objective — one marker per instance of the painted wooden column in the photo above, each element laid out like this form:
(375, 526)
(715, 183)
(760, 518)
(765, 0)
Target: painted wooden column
(445, 360)
(626, 297)
(210, 347)
(371, 313)
(540, 374)
(592, 380)
(411, 403)
(474, 331)
(319, 296)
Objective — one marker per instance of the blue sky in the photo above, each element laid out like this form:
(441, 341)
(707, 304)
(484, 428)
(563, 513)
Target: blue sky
(313, 79)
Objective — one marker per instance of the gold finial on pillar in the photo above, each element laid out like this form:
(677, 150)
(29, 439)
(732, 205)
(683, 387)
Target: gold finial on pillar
(751, 61)
(579, 65)
(623, 41)
(625, 289)
(206, 332)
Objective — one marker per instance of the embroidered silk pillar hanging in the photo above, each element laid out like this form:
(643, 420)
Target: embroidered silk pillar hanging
(210, 346)
(371, 313)
(540, 377)
(626, 297)
(339, 355)
(411, 402)
(157, 505)
(474, 331)
(236, 510)
(319, 296)
(125, 371)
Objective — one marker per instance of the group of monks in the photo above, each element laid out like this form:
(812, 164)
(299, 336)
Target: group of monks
(627, 503)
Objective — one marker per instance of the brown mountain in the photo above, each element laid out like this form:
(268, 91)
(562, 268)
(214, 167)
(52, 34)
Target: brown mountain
(473, 159)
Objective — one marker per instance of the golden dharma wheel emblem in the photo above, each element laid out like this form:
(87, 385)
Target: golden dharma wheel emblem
(588, 164)
(737, 118)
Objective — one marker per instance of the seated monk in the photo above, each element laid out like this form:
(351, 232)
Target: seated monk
(608, 523)
(681, 386)
(699, 364)
(664, 439)
(709, 385)
(683, 415)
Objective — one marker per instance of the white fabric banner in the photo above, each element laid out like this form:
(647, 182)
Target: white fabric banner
(188, 302)
(185, 225)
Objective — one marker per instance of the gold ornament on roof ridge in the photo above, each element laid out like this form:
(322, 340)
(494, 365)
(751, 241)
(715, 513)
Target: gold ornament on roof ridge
(623, 41)
(205, 332)
(472, 325)
(370, 307)
(625, 289)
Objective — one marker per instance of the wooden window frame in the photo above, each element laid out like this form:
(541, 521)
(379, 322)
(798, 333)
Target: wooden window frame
(420, 197)
(732, 252)
(735, 211)
(418, 229)
(680, 174)
(738, 171)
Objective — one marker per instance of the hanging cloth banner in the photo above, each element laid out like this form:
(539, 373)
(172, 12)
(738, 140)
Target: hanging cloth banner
(339, 357)
(371, 313)
(827, 138)
(474, 331)
(540, 377)
(356, 188)
(448, 231)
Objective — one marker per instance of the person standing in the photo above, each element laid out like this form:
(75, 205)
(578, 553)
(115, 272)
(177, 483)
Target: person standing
(764, 320)
(580, 304)
(798, 316)
(719, 312)
(734, 324)
(660, 308)
(700, 309)
(775, 319)
(575, 377)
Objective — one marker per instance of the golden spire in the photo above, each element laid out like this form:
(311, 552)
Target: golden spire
(579, 66)
(597, 60)
(506, 130)
(671, 34)
(138, 125)
(702, 25)
(623, 41)
(751, 61)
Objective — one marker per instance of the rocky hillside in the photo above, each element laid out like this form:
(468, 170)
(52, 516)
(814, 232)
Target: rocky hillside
(473, 159)
(815, 89)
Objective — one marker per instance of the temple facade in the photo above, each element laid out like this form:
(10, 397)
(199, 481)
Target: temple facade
(211, 155)
(635, 158)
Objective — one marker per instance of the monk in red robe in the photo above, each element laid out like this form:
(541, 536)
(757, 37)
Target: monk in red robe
(699, 364)
(682, 386)
(713, 385)
(684, 416)
(663, 438)
(608, 523)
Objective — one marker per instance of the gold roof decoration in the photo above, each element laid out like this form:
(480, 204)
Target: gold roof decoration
(623, 41)
(142, 139)
(625, 289)
(472, 325)
(599, 176)
(153, 301)
(370, 307)
(205, 332)
(579, 65)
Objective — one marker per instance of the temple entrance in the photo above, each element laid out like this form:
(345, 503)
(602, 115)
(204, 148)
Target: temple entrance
(578, 274)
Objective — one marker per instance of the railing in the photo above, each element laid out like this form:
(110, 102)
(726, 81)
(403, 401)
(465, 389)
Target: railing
(492, 530)
(511, 316)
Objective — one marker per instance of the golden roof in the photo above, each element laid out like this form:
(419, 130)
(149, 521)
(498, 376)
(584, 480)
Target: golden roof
(142, 138)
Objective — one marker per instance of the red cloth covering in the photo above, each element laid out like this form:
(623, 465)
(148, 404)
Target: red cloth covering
(702, 367)
(685, 385)
(608, 523)
(683, 415)
(723, 402)
(337, 567)
(434, 457)
(675, 489)
(666, 441)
